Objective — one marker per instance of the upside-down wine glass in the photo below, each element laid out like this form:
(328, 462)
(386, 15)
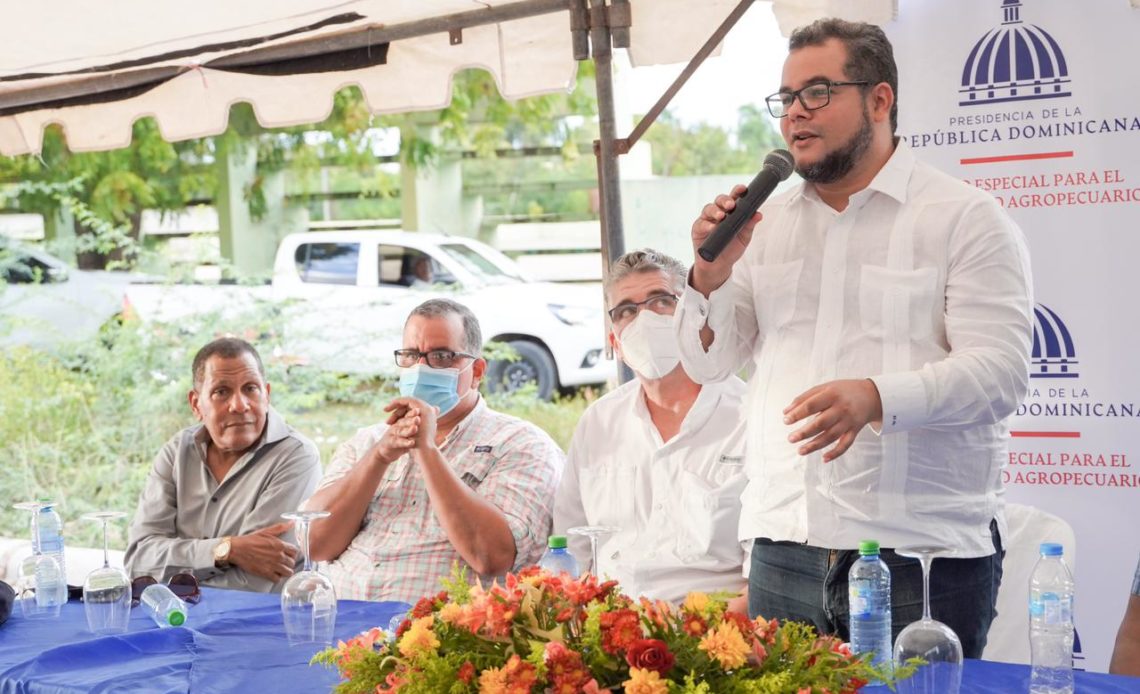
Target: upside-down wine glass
(593, 532)
(929, 639)
(40, 584)
(107, 590)
(308, 601)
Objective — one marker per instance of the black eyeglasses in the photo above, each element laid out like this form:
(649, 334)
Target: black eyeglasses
(624, 313)
(183, 585)
(436, 358)
(814, 96)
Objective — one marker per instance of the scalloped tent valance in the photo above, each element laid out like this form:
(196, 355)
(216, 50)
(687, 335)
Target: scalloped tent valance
(95, 68)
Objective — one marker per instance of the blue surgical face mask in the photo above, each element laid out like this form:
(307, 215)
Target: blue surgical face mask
(436, 387)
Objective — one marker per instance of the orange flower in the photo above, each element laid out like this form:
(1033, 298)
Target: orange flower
(564, 667)
(694, 625)
(645, 682)
(726, 645)
(515, 677)
(620, 628)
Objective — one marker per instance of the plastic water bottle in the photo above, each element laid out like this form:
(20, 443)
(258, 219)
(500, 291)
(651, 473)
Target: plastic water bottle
(557, 558)
(1051, 623)
(51, 535)
(869, 598)
(163, 606)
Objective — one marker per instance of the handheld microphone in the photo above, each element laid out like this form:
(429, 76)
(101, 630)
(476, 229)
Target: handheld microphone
(778, 166)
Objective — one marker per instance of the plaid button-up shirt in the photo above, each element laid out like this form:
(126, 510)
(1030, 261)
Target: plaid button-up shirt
(401, 551)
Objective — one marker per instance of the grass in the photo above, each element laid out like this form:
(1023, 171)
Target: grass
(82, 426)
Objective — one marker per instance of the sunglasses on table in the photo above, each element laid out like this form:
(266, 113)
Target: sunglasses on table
(184, 586)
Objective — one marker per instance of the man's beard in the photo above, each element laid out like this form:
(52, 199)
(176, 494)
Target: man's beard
(835, 165)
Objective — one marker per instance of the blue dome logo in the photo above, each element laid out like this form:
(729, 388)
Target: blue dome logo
(1014, 62)
(1053, 353)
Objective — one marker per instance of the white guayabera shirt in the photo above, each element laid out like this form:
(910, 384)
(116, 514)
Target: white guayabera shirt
(676, 503)
(922, 284)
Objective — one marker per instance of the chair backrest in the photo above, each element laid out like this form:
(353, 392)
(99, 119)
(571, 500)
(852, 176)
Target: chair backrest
(1008, 640)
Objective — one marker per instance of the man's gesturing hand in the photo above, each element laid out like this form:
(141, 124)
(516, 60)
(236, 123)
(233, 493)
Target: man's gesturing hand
(841, 409)
(263, 553)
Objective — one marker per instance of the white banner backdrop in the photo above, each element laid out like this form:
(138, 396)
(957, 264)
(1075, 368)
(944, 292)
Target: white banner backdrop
(1036, 101)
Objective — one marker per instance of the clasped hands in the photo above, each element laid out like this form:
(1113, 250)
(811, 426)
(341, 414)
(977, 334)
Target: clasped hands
(411, 426)
(835, 411)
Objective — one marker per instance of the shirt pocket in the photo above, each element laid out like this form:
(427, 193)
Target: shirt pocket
(710, 520)
(607, 495)
(897, 303)
(774, 291)
(475, 468)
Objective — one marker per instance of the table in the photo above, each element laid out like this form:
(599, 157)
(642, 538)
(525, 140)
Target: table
(235, 642)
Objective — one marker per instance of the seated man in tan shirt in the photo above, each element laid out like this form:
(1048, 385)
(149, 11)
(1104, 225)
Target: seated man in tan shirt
(213, 501)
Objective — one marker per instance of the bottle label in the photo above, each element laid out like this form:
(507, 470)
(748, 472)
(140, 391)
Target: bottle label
(859, 602)
(1050, 608)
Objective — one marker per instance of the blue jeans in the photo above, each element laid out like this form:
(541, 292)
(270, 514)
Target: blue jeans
(792, 581)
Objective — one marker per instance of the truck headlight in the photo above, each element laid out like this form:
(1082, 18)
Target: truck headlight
(572, 315)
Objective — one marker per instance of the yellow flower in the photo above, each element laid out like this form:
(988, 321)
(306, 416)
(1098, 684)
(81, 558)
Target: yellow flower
(493, 681)
(644, 682)
(419, 638)
(450, 613)
(726, 645)
(696, 602)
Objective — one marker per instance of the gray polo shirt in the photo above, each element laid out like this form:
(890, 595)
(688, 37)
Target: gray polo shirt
(183, 511)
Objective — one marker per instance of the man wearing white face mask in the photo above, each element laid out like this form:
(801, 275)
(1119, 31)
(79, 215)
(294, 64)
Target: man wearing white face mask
(444, 479)
(661, 457)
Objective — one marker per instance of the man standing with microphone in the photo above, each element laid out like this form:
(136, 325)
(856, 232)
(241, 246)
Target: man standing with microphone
(884, 310)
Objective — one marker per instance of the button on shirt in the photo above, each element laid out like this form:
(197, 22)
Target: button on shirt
(183, 511)
(922, 284)
(676, 503)
(401, 551)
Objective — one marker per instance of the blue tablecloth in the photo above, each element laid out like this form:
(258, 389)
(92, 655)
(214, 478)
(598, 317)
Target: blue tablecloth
(232, 642)
(235, 642)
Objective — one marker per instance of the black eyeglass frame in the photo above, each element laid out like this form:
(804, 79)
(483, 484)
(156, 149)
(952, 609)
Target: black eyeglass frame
(443, 353)
(798, 94)
(640, 305)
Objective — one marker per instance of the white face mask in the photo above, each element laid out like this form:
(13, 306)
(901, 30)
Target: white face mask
(649, 345)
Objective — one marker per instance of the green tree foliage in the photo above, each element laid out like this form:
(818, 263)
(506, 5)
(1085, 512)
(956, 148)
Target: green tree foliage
(704, 149)
(107, 191)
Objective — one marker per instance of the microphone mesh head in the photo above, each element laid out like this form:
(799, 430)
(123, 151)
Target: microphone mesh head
(780, 161)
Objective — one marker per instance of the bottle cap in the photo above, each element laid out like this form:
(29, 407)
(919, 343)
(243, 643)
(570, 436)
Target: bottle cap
(556, 542)
(176, 618)
(868, 547)
(1052, 549)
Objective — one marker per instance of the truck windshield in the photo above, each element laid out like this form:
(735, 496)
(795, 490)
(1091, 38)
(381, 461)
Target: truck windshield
(478, 264)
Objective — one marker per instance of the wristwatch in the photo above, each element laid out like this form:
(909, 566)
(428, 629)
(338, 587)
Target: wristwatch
(222, 553)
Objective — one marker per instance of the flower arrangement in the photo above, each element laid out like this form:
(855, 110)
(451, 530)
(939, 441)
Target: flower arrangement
(538, 632)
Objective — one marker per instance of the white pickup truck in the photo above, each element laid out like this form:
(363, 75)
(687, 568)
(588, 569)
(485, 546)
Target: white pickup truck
(345, 296)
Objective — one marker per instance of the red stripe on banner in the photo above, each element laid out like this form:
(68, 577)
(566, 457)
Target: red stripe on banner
(1018, 157)
(1045, 434)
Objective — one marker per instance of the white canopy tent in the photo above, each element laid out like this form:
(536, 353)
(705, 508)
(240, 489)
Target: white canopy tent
(95, 68)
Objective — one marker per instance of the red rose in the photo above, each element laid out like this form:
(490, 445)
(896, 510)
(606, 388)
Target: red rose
(650, 654)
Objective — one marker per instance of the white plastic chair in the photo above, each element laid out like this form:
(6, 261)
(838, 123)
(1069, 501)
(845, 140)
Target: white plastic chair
(1008, 640)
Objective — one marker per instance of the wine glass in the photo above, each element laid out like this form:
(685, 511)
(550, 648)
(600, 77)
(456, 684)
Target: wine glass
(308, 601)
(593, 532)
(928, 638)
(107, 590)
(40, 584)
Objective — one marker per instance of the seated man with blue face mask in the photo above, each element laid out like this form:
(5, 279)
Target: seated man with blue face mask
(660, 458)
(444, 479)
